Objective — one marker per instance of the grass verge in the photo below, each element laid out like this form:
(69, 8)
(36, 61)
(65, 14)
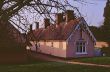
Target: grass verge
(96, 60)
(51, 67)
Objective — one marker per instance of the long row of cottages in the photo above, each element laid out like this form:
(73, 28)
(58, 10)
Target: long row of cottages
(69, 37)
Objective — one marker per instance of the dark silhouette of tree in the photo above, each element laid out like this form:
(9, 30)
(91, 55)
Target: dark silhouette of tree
(106, 27)
(98, 33)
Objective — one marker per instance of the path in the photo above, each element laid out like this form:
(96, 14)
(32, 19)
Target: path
(87, 64)
(50, 58)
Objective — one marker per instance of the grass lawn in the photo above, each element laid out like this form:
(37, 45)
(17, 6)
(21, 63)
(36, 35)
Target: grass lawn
(96, 60)
(51, 67)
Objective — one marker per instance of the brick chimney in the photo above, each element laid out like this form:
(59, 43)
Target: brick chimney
(31, 27)
(69, 15)
(46, 22)
(59, 18)
(37, 25)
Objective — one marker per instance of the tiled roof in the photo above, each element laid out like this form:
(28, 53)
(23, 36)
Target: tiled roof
(56, 31)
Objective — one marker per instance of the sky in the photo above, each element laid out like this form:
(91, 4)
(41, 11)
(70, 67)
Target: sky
(92, 11)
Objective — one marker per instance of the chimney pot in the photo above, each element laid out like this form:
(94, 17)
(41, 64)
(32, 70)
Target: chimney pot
(37, 25)
(46, 22)
(69, 15)
(59, 18)
(31, 27)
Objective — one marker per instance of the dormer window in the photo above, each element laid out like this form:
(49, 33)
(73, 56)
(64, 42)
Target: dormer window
(81, 47)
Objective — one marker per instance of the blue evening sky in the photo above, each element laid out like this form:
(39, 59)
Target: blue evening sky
(92, 11)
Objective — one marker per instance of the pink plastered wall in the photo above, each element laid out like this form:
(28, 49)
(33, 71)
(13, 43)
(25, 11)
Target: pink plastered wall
(71, 45)
(53, 47)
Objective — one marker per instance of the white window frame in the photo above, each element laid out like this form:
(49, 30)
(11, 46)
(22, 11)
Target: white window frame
(82, 44)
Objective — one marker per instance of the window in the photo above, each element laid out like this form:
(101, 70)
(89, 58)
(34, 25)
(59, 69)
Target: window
(81, 47)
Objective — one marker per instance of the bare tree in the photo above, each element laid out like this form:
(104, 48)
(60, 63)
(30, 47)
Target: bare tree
(22, 13)
(10, 9)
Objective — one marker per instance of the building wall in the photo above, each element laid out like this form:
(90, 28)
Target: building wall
(53, 47)
(100, 44)
(71, 50)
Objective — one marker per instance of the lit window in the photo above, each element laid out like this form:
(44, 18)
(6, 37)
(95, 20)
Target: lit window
(80, 47)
